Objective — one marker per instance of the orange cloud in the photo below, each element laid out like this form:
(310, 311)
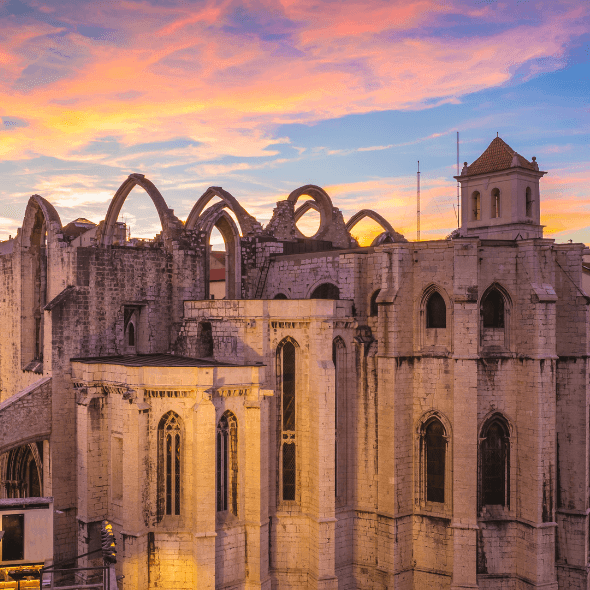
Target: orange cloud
(196, 77)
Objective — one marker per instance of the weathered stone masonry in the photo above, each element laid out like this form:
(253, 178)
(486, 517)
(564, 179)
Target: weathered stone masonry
(407, 415)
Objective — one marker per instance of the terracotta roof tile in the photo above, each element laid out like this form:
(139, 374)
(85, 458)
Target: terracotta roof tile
(497, 156)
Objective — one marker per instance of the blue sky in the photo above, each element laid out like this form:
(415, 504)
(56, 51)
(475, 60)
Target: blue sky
(263, 97)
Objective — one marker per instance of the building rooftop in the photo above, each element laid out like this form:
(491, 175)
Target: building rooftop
(153, 360)
(497, 156)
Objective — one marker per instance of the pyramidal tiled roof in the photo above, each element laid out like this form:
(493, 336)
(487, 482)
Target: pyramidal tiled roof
(497, 156)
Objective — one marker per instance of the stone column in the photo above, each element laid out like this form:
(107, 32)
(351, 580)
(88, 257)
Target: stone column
(464, 442)
(256, 501)
(204, 493)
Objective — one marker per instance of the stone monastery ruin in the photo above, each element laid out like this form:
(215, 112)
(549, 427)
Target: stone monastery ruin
(409, 415)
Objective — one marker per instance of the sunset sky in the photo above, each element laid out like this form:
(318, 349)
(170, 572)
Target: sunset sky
(262, 97)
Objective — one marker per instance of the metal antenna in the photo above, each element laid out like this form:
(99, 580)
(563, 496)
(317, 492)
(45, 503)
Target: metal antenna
(458, 199)
(418, 204)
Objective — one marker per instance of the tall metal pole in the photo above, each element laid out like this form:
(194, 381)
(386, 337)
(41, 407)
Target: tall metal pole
(418, 204)
(458, 198)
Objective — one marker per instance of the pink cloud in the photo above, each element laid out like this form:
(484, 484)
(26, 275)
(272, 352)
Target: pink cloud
(195, 76)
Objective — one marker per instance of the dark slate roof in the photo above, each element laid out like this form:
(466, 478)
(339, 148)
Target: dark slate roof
(154, 360)
(497, 156)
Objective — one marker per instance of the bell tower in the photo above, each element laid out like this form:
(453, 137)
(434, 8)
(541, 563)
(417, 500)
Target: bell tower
(500, 196)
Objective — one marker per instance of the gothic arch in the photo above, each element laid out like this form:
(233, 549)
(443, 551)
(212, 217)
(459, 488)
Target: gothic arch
(170, 223)
(504, 292)
(217, 216)
(303, 209)
(40, 215)
(248, 224)
(360, 215)
(21, 472)
(41, 227)
(323, 205)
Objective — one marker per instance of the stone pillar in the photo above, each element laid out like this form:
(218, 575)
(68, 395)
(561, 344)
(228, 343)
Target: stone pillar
(256, 504)
(204, 493)
(464, 428)
(322, 375)
(135, 454)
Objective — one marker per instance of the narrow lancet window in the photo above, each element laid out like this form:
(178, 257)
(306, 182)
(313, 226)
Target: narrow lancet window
(494, 458)
(435, 456)
(169, 465)
(227, 463)
(436, 311)
(288, 415)
(492, 310)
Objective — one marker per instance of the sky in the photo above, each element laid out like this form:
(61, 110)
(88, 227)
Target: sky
(262, 97)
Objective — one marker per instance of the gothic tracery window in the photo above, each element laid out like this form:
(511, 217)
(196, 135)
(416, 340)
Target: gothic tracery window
(169, 465)
(227, 463)
(286, 369)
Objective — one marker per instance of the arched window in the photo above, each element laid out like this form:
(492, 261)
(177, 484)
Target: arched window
(373, 307)
(529, 202)
(436, 311)
(492, 309)
(495, 203)
(340, 460)
(22, 470)
(227, 463)
(435, 446)
(280, 296)
(286, 370)
(326, 291)
(169, 465)
(476, 206)
(131, 334)
(495, 463)
(130, 324)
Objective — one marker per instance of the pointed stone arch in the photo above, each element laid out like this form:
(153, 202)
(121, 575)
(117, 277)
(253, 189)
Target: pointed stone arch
(303, 209)
(217, 216)
(360, 215)
(40, 212)
(249, 226)
(323, 204)
(40, 232)
(171, 225)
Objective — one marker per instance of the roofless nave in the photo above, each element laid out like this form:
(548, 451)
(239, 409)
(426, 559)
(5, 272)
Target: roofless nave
(405, 415)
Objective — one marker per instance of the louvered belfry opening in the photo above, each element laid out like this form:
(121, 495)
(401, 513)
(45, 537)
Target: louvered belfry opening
(289, 473)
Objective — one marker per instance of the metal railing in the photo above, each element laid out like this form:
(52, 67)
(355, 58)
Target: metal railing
(76, 578)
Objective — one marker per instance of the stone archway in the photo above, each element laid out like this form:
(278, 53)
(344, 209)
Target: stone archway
(40, 231)
(218, 217)
(323, 204)
(369, 213)
(171, 225)
(249, 226)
